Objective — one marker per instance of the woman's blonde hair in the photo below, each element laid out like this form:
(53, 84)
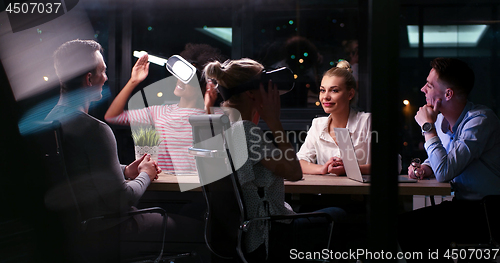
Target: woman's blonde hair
(232, 73)
(344, 70)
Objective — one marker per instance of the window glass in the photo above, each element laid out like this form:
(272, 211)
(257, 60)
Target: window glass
(464, 31)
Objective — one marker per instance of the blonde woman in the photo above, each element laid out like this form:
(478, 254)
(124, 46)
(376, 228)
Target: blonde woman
(262, 175)
(320, 152)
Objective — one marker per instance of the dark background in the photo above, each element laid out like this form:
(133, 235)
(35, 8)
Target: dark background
(260, 28)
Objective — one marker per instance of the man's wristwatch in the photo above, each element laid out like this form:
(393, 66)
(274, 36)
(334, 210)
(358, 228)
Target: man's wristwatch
(427, 127)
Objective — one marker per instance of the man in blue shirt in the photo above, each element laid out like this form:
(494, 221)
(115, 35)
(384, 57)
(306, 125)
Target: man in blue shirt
(463, 148)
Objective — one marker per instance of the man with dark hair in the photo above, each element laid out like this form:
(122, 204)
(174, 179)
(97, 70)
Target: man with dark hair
(77, 58)
(463, 148)
(456, 73)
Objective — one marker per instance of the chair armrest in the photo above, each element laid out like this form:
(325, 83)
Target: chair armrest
(244, 226)
(131, 213)
(246, 223)
(302, 215)
(158, 210)
(206, 153)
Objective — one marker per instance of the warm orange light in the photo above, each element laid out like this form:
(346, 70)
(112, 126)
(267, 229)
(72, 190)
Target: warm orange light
(406, 102)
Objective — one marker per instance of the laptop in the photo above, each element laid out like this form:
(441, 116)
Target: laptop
(350, 160)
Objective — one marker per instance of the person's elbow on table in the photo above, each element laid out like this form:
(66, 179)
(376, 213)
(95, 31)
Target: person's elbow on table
(312, 168)
(294, 176)
(424, 171)
(289, 171)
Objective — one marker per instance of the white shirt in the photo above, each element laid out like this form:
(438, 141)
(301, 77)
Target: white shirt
(319, 146)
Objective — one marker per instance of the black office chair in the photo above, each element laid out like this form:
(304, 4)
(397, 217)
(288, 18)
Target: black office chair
(491, 208)
(82, 246)
(226, 220)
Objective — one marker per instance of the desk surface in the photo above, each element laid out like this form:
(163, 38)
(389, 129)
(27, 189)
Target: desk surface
(314, 184)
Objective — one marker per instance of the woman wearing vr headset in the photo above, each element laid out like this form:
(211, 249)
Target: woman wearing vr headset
(320, 152)
(246, 88)
(171, 121)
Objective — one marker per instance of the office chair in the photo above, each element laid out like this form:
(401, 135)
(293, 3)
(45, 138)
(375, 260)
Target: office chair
(225, 219)
(490, 205)
(82, 245)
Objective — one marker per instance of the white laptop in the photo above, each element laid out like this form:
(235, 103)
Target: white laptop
(350, 160)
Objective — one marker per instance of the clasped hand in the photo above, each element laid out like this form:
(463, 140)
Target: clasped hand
(143, 164)
(334, 165)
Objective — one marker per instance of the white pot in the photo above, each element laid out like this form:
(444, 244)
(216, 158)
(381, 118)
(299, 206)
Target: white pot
(141, 150)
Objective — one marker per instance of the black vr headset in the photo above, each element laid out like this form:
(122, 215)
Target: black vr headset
(282, 77)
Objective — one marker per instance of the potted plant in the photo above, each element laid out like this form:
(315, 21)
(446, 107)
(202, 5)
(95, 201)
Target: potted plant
(146, 140)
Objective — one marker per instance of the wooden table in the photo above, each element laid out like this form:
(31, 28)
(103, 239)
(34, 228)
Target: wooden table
(313, 184)
(170, 182)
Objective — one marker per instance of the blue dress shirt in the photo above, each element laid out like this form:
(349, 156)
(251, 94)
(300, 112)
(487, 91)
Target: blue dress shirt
(468, 156)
